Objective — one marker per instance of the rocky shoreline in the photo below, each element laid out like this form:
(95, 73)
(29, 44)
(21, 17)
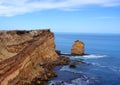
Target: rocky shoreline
(49, 71)
(65, 77)
(49, 68)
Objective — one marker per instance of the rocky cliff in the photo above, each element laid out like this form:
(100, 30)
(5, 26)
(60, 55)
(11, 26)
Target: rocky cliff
(22, 54)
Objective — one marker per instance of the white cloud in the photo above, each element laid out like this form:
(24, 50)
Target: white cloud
(17, 7)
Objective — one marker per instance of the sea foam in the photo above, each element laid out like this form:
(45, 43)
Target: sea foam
(94, 56)
(91, 56)
(67, 68)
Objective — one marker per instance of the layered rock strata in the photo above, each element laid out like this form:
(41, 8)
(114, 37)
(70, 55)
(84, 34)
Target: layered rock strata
(23, 54)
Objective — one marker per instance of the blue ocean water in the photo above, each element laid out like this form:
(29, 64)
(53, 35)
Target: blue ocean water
(104, 68)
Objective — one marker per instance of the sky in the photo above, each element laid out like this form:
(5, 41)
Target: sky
(81, 16)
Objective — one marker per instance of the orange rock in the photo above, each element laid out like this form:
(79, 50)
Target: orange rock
(77, 48)
(21, 53)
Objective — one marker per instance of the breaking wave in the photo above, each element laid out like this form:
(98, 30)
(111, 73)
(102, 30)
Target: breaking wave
(94, 56)
(91, 56)
(78, 81)
(67, 68)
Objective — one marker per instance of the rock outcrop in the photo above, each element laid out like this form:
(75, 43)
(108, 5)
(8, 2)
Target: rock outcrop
(77, 48)
(23, 54)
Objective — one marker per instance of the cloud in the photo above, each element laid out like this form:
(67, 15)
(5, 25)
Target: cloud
(17, 7)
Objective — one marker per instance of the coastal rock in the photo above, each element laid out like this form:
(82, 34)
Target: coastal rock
(22, 54)
(62, 61)
(77, 48)
(72, 65)
(58, 52)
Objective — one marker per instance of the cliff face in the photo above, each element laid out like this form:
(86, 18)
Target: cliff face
(22, 53)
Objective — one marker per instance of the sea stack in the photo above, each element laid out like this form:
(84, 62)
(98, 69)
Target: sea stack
(77, 48)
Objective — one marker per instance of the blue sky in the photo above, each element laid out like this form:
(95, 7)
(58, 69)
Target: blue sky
(83, 16)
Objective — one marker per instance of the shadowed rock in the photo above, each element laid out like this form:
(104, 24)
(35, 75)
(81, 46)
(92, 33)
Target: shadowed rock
(72, 65)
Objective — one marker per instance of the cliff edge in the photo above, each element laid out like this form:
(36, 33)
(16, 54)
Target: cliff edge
(22, 54)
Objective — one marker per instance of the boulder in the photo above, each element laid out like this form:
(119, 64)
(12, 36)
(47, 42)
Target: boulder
(72, 65)
(77, 48)
(58, 52)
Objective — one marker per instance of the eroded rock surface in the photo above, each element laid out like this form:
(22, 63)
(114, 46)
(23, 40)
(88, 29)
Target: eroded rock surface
(77, 48)
(22, 53)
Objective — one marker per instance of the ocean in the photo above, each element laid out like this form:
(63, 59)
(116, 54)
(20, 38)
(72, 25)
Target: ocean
(103, 66)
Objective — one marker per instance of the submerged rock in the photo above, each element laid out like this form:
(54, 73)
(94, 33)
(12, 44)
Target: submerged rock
(77, 48)
(72, 65)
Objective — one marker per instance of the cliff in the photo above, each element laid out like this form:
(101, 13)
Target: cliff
(23, 54)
